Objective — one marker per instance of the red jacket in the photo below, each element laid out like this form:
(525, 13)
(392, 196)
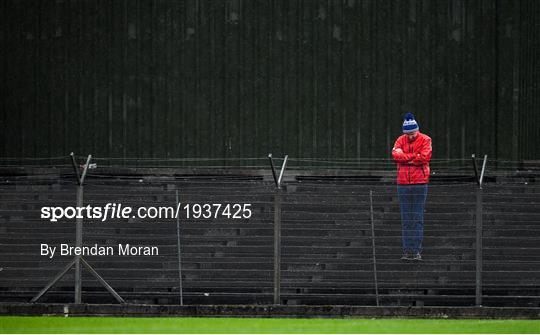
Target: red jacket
(413, 163)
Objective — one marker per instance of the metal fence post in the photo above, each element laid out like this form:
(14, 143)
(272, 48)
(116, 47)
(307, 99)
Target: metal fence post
(479, 230)
(77, 261)
(278, 199)
(479, 260)
(180, 288)
(79, 230)
(373, 248)
(277, 247)
(78, 243)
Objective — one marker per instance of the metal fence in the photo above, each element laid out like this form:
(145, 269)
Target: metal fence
(310, 238)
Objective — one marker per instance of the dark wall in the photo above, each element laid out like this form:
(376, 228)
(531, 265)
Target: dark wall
(243, 78)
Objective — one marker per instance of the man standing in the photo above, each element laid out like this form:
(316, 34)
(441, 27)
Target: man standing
(412, 153)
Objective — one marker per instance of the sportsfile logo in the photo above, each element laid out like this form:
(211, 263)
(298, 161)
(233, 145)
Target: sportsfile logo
(119, 211)
(109, 211)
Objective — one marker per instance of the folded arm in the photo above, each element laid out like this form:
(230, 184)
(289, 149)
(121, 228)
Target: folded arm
(424, 155)
(399, 156)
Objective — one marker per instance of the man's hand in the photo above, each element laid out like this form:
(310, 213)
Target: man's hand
(398, 150)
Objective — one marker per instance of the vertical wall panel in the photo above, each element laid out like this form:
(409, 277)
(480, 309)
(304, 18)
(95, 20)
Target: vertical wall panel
(7, 73)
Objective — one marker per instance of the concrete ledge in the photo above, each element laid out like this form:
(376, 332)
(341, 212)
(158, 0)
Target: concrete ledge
(267, 311)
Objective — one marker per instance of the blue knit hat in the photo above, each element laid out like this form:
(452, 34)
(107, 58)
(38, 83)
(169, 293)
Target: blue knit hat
(409, 123)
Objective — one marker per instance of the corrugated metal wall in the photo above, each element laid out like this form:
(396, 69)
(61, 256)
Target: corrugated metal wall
(241, 78)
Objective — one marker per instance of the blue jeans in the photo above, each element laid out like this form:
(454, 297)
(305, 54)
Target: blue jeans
(412, 200)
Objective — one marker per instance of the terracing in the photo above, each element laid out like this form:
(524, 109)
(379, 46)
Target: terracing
(327, 254)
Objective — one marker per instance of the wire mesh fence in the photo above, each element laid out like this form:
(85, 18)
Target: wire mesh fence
(320, 239)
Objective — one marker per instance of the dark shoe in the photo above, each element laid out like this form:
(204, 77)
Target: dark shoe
(417, 257)
(406, 257)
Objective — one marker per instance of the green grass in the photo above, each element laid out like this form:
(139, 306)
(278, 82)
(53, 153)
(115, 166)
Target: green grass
(16, 324)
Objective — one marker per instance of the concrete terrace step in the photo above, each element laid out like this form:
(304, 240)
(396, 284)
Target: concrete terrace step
(326, 241)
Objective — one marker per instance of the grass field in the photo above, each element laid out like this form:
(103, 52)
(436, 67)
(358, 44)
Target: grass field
(9, 324)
